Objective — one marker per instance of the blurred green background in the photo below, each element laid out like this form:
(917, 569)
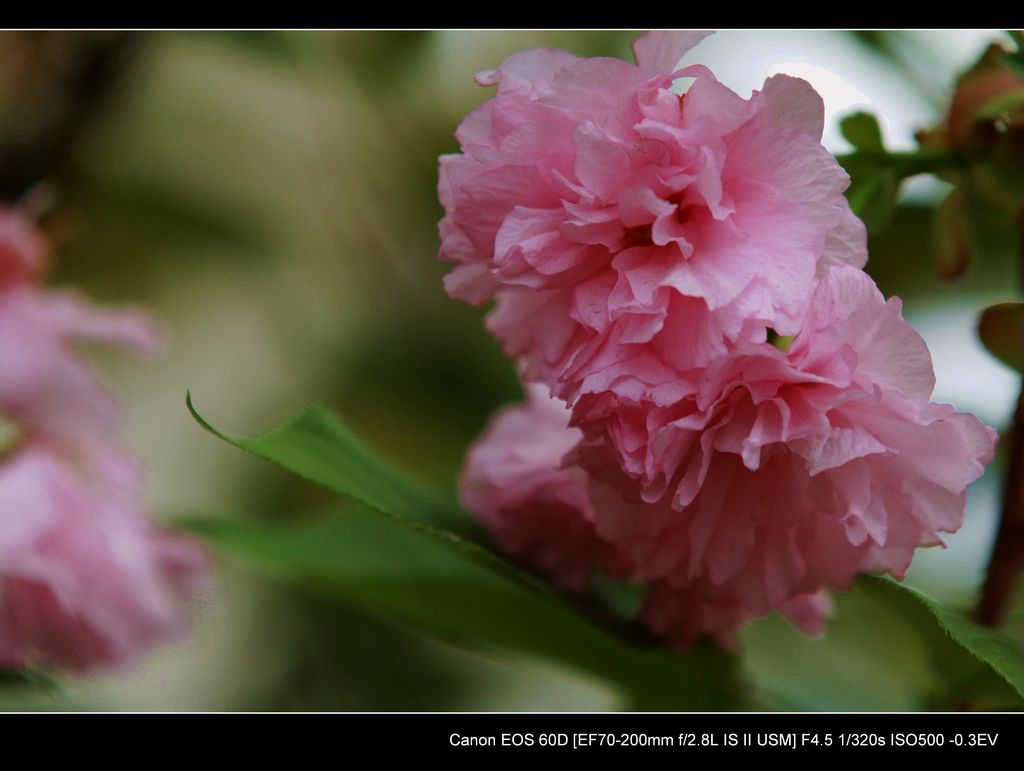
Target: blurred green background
(270, 196)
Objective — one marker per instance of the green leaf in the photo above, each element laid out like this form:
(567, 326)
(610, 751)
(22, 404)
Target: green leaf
(873, 194)
(963, 650)
(28, 678)
(1015, 61)
(869, 659)
(399, 555)
(887, 647)
(862, 131)
(875, 177)
(1004, 104)
(317, 446)
(1001, 329)
(444, 586)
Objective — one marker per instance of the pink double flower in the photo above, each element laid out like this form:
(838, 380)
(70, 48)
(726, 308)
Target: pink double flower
(649, 253)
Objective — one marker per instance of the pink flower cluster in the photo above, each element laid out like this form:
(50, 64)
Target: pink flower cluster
(645, 250)
(86, 579)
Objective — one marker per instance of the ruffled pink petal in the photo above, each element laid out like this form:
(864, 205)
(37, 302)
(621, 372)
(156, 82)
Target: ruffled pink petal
(659, 51)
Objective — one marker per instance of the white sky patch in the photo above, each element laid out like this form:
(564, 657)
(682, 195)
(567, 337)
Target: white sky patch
(847, 74)
(966, 375)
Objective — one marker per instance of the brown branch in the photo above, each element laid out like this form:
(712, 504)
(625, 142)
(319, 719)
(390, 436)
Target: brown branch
(1004, 568)
(1007, 560)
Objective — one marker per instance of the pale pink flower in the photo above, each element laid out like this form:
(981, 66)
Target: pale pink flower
(536, 510)
(782, 474)
(629, 234)
(86, 579)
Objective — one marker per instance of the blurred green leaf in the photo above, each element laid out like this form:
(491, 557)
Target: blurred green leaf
(869, 659)
(1003, 104)
(444, 586)
(28, 678)
(967, 654)
(397, 555)
(875, 175)
(1015, 61)
(887, 647)
(873, 193)
(1001, 329)
(862, 131)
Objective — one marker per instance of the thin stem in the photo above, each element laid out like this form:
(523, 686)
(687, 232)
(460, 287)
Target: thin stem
(1007, 560)
(908, 163)
(1004, 567)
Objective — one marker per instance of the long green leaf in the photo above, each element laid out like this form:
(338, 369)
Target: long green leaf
(436, 584)
(317, 446)
(393, 556)
(29, 678)
(401, 554)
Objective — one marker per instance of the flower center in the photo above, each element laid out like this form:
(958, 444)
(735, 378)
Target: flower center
(639, 235)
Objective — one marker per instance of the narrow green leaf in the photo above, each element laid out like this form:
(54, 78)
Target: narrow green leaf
(862, 131)
(1004, 104)
(446, 587)
(317, 446)
(399, 555)
(951, 636)
(1001, 329)
(29, 678)
(952, 238)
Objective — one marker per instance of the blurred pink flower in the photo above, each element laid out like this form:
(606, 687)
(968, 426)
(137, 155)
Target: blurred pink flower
(22, 248)
(629, 233)
(86, 579)
(45, 385)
